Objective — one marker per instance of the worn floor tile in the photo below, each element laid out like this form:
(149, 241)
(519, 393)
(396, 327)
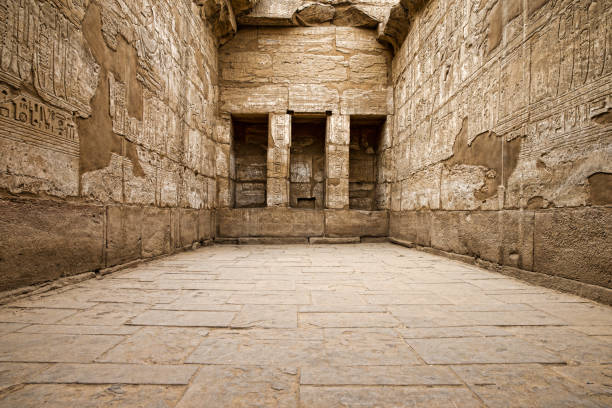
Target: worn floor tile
(385, 397)
(92, 396)
(18, 373)
(347, 320)
(156, 345)
(267, 316)
(524, 386)
(54, 347)
(105, 314)
(30, 315)
(474, 350)
(184, 318)
(242, 387)
(378, 375)
(115, 374)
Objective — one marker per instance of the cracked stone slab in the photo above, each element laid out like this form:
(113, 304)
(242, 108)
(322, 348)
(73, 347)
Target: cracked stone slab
(387, 397)
(115, 374)
(263, 298)
(267, 316)
(348, 320)
(481, 350)
(367, 347)
(17, 373)
(242, 387)
(184, 318)
(48, 316)
(57, 348)
(110, 314)
(78, 329)
(247, 349)
(156, 345)
(524, 386)
(378, 375)
(116, 396)
(450, 332)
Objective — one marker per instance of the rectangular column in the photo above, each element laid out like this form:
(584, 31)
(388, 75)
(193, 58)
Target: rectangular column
(279, 144)
(337, 142)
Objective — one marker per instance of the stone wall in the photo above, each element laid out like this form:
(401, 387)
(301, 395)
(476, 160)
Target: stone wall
(107, 111)
(502, 139)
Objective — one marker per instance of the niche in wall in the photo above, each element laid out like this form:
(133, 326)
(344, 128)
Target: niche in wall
(364, 161)
(307, 161)
(250, 155)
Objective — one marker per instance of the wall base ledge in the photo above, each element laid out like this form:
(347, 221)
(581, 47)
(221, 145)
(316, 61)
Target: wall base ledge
(593, 292)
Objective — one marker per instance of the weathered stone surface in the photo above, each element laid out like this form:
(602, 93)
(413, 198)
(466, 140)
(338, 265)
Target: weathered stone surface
(354, 223)
(270, 222)
(46, 240)
(314, 13)
(115, 374)
(123, 234)
(354, 16)
(237, 386)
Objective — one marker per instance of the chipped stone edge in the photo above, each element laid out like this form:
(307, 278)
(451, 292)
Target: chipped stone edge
(596, 293)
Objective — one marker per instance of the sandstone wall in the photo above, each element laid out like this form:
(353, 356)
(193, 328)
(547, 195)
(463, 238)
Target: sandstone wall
(503, 134)
(107, 117)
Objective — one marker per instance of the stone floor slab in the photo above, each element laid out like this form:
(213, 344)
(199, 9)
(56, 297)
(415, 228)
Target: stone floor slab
(156, 345)
(378, 375)
(186, 318)
(347, 320)
(267, 316)
(92, 396)
(242, 387)
(54, 348)
(385, 397)
(12, 374)
(483, 350)
(115, 374)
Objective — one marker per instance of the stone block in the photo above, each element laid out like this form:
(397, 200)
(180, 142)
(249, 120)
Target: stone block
(123, 234)
(206, 225)
(368, 102)
(44, 240)
(156, 232)
(338, 129)
(354, 223)
(337, 158)
(517, 239)
(337, 193)
(188, 227)
(250, 195)
(574, 244)
(310, 98)
(261, 99)
(413, 226)
(269, 222)
(333, 241)
(277, 192)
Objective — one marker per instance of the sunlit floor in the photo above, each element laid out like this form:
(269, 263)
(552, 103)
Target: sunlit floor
(368, 325)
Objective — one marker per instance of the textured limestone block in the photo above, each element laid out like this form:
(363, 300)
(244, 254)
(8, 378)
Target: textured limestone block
(123, 234)
(188, 226)
(277, 192)
(350, 40)
(572, 243)
(354, 223)
(314, 13)
(354, 16)
(368, 69)
(299, 68)
(337, 193)
(156, 232)
(394, 29)
(206, 225)
(306, 40)
(269, 222)
(250, 194)
(278, 162)
(413, 226)
(47, 240)
(262, 99)
(378, 101)
(313, 98)
(249, 67)
(337, 161)
(338, 129)
(271, 12)
(225, 192)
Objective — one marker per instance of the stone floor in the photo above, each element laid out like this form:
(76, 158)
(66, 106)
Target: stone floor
(370, 325)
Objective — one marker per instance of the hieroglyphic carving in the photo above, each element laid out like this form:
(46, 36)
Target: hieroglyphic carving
(28, 120)
(38, 38)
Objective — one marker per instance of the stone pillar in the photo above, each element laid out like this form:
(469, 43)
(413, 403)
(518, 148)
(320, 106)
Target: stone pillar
(279, 145)
(337, 142)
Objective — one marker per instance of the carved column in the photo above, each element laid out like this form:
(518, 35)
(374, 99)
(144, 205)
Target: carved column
(337, 142)
(279, 144)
